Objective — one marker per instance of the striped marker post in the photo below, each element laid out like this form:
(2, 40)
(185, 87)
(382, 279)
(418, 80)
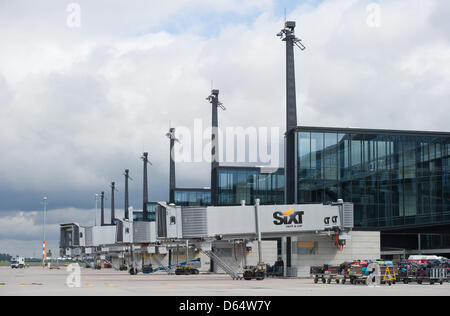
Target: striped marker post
(43, 243)
(43, 254)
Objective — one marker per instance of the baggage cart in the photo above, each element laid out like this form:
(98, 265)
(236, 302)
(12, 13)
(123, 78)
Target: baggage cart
(431, 275)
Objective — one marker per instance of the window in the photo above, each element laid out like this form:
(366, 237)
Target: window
(330, 151)
(248, 184)
(316, 155)
(304, 155)
(193, 197)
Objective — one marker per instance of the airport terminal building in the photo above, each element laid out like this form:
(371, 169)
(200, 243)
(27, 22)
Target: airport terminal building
(399, 181)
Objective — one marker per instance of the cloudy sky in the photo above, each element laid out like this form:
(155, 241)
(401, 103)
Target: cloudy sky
(86, 87)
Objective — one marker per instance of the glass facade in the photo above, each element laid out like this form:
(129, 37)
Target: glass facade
(151, 213)
(192, 197)
(393, 178)
(241, 183)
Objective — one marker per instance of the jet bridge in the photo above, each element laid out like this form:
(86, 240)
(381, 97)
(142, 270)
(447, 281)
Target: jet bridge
(72, 239)
(201, 226)
(250, 222)
(77, 240)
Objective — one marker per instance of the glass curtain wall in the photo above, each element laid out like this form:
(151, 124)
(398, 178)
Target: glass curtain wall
(237, 184)
(393, 180)
(192, 197)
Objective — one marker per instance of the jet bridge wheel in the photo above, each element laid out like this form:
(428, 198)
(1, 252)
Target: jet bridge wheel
(133, 271)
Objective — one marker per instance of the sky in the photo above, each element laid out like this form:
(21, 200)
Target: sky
(87, 86)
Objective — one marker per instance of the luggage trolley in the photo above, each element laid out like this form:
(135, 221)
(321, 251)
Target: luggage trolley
(406, 273)
(431, 275)
(327, 274)
(357, 275)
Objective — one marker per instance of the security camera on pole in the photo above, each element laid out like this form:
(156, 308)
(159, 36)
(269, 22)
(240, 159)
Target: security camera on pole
(145, 193)
(287, 35)
(213, 98)
(172, 181)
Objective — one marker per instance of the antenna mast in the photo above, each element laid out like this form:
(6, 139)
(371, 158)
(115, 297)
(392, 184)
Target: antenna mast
(102, 208)
(145, 193)
(113, 211)
(287, 35)
(127, 177)
(214, 100)
(172, 179)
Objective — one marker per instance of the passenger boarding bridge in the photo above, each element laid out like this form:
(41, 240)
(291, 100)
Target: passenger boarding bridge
(200, 227)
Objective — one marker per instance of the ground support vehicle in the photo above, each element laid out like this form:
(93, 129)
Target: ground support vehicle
(254, 272)
(18, 263)
(123, 267)
(182, 268)
(186, 270)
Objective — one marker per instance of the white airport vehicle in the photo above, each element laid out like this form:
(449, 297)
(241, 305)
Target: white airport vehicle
(423, 259)
(18, 263)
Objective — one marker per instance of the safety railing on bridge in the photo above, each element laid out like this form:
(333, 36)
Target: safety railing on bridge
(234, 272)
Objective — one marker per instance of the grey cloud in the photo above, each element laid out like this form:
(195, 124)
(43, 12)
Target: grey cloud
(29, 225)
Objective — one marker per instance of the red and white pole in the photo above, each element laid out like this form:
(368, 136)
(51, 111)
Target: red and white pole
(43, 253)
(43, 243)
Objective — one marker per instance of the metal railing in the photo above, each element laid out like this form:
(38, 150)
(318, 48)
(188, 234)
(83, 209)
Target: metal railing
(164, 267)
(229, 269)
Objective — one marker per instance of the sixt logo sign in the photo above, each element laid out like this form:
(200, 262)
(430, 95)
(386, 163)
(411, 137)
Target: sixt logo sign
(289, 217)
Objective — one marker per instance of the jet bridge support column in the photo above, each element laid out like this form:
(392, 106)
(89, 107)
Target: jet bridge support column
(288, 255)
(258, 230)
(283, 254)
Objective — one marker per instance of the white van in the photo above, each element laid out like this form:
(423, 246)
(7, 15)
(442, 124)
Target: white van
(18, 263)
(424, 259)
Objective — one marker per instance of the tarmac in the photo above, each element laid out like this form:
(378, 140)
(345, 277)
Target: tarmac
(35, 281)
